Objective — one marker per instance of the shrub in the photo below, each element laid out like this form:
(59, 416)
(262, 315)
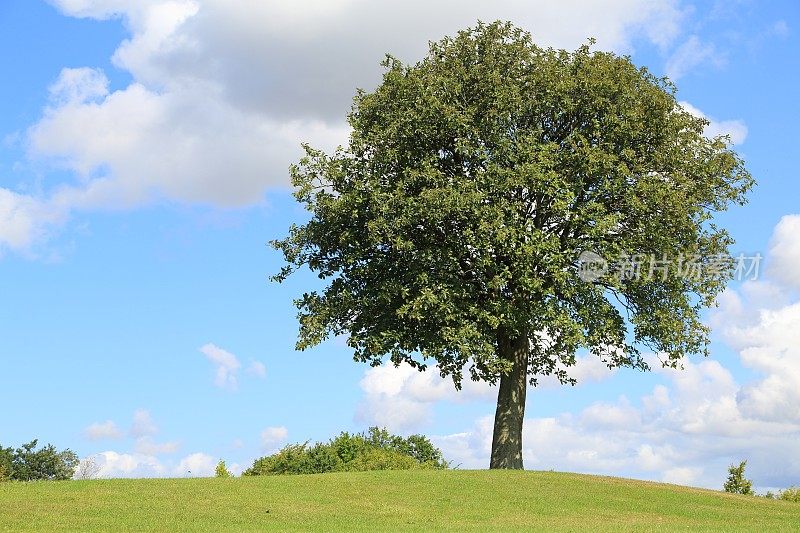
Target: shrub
(324, 458)
(737, 483)
(222, 470)
(291, 459)
(383, 459)
(792, 494)
(376, 449)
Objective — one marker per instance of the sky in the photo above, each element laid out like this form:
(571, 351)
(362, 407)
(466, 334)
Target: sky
(144, 148)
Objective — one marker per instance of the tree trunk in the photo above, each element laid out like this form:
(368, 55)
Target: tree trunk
(507, 438)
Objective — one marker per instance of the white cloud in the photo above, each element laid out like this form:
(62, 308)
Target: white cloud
(144, 460)
(113, 465)
(401, 398)
(273, 437)
(306, 58)
(138, 146)
(772, 348)
(79, 85)
(227, 365)
(780, 29)
(257, 369)
(196, 465)
(224, 91)
(682, 475)
(103, 430)
(784, 252)
(700, 419)
(143, 424)
(686, 432)
(25, 219)
(691, 54)
(146, 446)
(137, 465)
(736, 129)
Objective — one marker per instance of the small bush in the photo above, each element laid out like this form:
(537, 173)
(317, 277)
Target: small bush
(292, 459)
(792, 494)
(736, 482)
(323, 458)
(222, 470)
(375, 450)
(383, 459)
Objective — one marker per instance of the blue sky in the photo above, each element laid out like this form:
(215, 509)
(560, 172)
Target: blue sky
(143, 172)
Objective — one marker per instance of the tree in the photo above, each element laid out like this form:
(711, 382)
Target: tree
(6, 461)
(222, 470)
(46, 463)
(792, 494)
(736, 482)
(88, 468)
(455, 224)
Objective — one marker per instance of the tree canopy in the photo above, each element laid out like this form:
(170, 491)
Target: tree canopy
(27, 463)
(450, 228)
(736, 482)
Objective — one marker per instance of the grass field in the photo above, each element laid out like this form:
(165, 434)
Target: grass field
(379, 501)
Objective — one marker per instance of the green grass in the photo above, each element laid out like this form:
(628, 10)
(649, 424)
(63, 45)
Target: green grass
(457, 500)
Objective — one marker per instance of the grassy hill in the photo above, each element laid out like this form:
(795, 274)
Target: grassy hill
(407, 500)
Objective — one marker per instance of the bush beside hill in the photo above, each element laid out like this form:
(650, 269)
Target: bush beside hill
(376, 449)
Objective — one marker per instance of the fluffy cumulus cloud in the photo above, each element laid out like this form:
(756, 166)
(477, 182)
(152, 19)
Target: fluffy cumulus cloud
(303, 59)
(142, 430)
(146, 456)
(103, 430)
(772, 349)
(188, 144)
(693, 53)
(688, 428)
(257, 369)
(196, 465)
(784, 251)
(25, 220)
(147, 446)
(113, 464)
(685, 431)
(226, 365)
(224, 91)
(143, 424)
(402, 398)
(735, 129)
(273, 437)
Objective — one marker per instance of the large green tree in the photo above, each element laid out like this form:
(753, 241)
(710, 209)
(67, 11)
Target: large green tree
(452, 226)
(27, 463)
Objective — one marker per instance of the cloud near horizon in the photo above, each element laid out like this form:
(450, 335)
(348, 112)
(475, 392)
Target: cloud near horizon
(688, 428)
